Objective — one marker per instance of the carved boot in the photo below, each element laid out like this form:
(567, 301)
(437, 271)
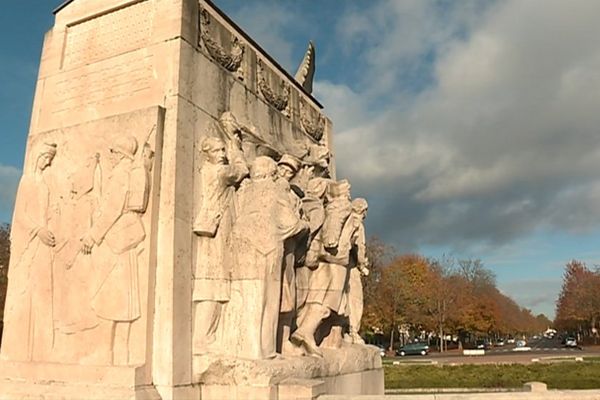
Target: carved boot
(356, 338)
(305, 335)
(307, 341)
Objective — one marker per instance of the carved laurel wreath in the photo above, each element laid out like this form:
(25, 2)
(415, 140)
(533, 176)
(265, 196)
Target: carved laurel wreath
(313, 127)
(280, 102)
(230, 61)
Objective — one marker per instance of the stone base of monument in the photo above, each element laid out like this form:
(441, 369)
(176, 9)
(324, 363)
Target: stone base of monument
(52, 381)
(351, 370)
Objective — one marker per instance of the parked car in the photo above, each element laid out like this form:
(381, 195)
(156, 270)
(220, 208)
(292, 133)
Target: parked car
(570, 342)
(510, 340)
(500, 342)
(414, 349)
(381, 349)
(482, 344)
(521, 343)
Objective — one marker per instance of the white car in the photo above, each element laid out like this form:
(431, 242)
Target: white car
(570, 342)
(522, 346)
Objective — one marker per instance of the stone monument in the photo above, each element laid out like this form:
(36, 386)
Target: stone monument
(179, 232)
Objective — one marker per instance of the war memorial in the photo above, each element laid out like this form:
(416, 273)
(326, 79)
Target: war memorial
(179, 231)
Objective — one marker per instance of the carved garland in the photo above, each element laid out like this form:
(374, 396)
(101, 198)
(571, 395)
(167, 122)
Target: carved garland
(230, 61)
(280, 102)
(313, 127)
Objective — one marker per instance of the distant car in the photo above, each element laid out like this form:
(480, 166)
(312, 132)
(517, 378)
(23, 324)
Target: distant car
(500, 342)
(482, 344)
(381, 349)
(413, 349)
(570, 342)
(535, 337)
(510, 340)
(521, 343)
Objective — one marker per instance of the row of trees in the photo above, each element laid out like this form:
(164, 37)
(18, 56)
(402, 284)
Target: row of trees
(448, 297)
(578, 304)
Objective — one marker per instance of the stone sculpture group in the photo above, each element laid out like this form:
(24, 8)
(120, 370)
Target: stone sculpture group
(179, 230)
(85, 278)
(279, 251)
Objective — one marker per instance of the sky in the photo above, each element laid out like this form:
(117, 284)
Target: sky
(471, 126)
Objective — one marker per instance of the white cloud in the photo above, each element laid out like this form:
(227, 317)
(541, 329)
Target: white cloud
(502, 140)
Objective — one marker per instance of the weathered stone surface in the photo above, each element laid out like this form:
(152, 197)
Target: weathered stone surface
(235, 371)
(176, 181)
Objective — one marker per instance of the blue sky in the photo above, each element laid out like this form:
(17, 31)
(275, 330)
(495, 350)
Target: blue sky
(471, 126)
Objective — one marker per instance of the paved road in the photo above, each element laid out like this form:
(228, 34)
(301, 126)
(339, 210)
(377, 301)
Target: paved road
(539, 350)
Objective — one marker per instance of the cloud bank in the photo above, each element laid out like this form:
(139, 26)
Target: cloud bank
(498, 138)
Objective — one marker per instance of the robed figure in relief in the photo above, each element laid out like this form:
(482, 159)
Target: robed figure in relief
(28, 332)
(265, 221)
(221, 171)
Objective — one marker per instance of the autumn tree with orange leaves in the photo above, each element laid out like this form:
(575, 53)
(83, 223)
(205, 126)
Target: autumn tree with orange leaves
(578, 304)
(440, 297)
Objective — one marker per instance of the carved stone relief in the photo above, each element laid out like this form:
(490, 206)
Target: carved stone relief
(230, 60)
(115, 235)
(279, 101)
(28, 333)
(223, 168)
(313, 125)
(87, 212)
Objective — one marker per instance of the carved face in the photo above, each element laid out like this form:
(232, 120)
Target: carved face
(285, 172)
(216, 153)
(363, 215)
(115, 157)
(45, 160)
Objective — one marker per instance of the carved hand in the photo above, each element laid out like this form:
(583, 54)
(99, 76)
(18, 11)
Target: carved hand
(87, 243)
(303, 176)
(364, 270)
(47, 237)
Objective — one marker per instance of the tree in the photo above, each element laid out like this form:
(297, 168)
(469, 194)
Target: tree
(379, 254)
(578, 303)
(403, 292)
(4, 259)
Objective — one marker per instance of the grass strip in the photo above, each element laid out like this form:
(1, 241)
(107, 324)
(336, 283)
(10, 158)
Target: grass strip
(573, 376)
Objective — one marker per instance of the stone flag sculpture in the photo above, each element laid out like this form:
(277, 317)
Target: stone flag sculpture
(179, 230)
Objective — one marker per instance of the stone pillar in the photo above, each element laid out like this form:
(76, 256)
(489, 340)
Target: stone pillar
(108, 69)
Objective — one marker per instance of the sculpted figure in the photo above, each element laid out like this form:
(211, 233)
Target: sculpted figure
(74, 280)
(314, 209)
(116, 232)
(338, 210)
(294, 247)
(212, 225)
(318, 157)
(328, 283)
(28, 325)
(265, 221)
(359, 264)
